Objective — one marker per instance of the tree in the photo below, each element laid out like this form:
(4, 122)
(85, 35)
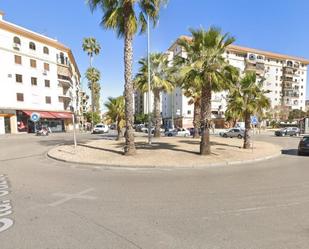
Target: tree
(93, 117)
(93, 76)
(192, 90)
(141, 118)
(116, 112)
(91, 47)
(296, 114)
(206, 71)
(248, 98)
(126, 17)
(161, 80)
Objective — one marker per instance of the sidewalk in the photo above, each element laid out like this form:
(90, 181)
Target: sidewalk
(165, 152)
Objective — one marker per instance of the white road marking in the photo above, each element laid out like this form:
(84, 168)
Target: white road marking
(5, 205)
(69, 197)
(256, 209)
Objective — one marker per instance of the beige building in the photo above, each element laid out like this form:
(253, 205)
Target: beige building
(37, 74)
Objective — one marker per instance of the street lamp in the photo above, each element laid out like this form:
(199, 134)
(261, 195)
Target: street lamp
(148, 57)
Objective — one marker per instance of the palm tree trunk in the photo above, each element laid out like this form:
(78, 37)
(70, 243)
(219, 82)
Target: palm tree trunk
(129, 148)
(118, 130)
(197, 118)
(157, 113)
(205, 120)
(247, 140)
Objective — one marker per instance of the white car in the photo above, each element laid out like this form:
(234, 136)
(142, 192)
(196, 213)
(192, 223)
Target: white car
(180, 132)
(100, 128)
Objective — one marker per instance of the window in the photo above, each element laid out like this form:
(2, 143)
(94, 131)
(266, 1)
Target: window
(17, 59)
(45, 50)
(46, 66)
(32, 63)
(20, 97)
(47, 83)
(48, 100)
(16, 40)
(34, 81)
(32, 45)
(19, 78)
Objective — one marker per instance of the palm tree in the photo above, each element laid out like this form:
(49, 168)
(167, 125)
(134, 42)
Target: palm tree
(248, 98)
(161, 80)
(93, 76)
(127, 17)
(91, 47)
(206, 70)
(116, 112)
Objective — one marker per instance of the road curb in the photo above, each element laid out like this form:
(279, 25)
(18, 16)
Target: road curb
(209, 165)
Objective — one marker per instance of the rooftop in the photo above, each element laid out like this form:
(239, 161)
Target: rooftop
(237, 48)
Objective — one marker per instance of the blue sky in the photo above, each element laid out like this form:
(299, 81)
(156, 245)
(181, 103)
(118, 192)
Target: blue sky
(274, 25)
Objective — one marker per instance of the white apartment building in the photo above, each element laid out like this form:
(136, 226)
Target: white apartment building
(285, 76)
(37, 74)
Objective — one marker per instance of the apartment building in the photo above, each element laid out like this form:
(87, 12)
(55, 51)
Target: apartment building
(285, 76)
(37, 74)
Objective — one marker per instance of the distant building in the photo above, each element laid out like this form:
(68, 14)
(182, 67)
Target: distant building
(37, 74)
(307, 105)
(285, 76)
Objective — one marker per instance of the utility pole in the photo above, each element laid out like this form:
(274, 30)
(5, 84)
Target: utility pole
(149, 88)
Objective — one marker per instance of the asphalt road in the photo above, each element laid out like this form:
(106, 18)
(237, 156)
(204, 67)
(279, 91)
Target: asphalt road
(61, 206)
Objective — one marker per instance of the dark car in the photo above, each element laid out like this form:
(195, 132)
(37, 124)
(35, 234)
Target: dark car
(303, 146)
(289, 131)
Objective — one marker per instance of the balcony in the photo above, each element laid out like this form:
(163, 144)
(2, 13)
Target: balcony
(258, 68)
(64, 81)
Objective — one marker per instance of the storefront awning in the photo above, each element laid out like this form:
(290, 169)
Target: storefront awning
(62, 115)
(42, 114)
(53, 115)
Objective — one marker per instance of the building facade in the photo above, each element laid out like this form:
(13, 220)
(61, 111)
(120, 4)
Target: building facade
(285, 77)
(37, 74)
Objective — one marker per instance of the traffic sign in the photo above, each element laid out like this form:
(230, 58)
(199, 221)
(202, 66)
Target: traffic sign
(35, 117)
(254, 120)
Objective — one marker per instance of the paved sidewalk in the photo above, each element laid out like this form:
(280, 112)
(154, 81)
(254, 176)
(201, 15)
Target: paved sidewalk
(164, 152)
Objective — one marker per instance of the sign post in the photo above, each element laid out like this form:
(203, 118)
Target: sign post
(35, 117)
(254, 122)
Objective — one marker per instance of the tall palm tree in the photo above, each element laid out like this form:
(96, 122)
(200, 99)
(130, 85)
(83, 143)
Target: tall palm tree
(93, 76)
(161, 80)
(248, 98)
(207, 71)
(91, 47)
(127, 17)
(116, 112)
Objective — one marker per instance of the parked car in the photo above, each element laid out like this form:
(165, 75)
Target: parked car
(192, 131)
(100, 128)
(180, 132)
(289, 131)
(234, 132)
(303, 146)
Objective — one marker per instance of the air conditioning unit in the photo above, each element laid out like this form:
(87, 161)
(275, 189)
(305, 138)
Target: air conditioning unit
(251, 57)
(44, 72)
(16, 46)
(9, 75)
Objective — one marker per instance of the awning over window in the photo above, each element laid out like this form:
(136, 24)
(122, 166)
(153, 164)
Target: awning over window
(61, 115)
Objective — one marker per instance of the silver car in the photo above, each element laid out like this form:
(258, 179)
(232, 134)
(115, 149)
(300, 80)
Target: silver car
(234, 132)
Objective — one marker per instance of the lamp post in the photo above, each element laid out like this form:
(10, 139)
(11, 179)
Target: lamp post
(148, 58)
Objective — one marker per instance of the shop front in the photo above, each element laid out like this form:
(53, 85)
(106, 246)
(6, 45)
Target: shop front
(7, 121)
(55, 121)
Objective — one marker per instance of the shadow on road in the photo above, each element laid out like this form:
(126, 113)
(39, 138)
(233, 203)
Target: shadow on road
(291, 152)
(197, 142)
